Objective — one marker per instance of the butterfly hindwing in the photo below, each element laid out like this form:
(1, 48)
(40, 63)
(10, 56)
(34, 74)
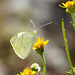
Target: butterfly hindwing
(22, 43)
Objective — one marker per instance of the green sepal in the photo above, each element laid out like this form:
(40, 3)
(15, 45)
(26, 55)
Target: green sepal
(71, 10)
(40, 50)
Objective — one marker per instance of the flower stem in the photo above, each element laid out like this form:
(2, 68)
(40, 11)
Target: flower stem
(66, 46)
(39, 73)
(44, 64)
(73, 17)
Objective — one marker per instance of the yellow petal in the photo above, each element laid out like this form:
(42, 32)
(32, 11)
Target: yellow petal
(33, 72)
(42, 39)
(38, 39)
(67, 4)
(46, 42)
(73, 2)
(39, 44)
(18, 74)
(27, 71)
(21, 73)
(61, 6)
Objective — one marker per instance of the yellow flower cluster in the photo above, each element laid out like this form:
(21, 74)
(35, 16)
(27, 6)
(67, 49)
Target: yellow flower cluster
(40, 44)
(27, 71)
(68, 4)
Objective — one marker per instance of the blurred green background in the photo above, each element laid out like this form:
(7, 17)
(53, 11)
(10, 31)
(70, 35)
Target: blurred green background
(15, 17)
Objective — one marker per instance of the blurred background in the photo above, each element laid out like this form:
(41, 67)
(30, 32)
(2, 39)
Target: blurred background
(15, 17)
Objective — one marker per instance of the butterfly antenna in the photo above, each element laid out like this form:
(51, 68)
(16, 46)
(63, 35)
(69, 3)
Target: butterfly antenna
(44, 25)
(33, 24)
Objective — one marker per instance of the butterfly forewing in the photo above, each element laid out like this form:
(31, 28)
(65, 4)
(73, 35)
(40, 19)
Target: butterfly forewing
(22, 43)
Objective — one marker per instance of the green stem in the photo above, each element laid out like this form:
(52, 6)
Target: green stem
(39, 73)
(73, 17)
(44, 64)
(66, 46)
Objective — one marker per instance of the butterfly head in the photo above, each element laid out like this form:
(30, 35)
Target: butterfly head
(36, 31)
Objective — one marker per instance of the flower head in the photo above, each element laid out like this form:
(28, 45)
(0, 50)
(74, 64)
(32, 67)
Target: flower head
(68, 4)
(27, 71)
(40, 44)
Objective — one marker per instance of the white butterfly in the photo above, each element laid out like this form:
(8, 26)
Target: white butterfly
(23, 42)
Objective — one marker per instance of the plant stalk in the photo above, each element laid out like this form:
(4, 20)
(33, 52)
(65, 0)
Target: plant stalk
(39, 73)
(44, 64)
(73, 17)
(66, 46)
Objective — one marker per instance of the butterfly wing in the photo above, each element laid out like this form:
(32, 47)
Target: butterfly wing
(22, 43)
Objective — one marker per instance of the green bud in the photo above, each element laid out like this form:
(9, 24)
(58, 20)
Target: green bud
(35, 67)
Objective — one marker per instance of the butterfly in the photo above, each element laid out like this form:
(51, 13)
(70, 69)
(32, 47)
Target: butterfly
(23, 42)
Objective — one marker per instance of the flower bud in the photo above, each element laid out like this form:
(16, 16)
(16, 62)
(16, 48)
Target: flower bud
(35, 67)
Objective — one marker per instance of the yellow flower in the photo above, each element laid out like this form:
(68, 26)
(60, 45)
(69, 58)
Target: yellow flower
(40, 44)
(27, 71)
(74, 2)
(68, 4)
